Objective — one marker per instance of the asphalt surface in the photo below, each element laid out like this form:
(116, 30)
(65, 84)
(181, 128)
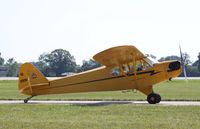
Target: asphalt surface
(96, 103)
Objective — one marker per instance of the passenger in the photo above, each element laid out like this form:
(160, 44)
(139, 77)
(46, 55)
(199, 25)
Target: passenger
(115, 72)
(125, 70)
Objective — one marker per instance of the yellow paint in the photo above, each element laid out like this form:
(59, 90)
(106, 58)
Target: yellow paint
(32, 82)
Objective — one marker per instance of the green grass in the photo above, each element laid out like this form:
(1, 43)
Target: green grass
(174, 90)
(124, 116)
(113, 116)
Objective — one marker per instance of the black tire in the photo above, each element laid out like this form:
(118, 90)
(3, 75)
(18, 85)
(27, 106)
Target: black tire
(158, 98)
(25, 101)
(153, 98)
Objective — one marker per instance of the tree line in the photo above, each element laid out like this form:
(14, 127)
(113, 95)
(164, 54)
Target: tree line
(11, 64)
(192, 69)
(57, 63)
(60, 62)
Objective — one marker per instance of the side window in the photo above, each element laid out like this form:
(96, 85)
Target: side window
(116, 71)
(145, 65)
(139, 65)
(125, 68)
(131, 67)
(142, 65)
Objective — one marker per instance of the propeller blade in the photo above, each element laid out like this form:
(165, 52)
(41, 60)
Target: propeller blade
(183, 64)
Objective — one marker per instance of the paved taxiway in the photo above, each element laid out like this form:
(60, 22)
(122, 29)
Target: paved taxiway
(167, 103)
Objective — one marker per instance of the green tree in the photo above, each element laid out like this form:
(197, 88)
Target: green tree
(173, 57)
(42, 67)
(186, 59)
(58, 61)
(90, 64)
(195, 63)
(78, 68)
(43, 64)
(151, 55)
(1, 60)
(192, 71)
(198, 62)
(12, 67)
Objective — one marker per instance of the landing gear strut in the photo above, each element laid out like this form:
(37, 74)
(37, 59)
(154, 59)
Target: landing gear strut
(27, 99)
(153, 98)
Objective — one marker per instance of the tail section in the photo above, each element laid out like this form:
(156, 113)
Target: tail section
(30, 76)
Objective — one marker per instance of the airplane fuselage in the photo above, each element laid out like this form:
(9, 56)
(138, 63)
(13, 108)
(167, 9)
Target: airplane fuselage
(102, 79)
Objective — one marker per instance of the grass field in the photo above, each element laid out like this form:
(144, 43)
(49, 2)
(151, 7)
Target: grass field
(113, 116)
(174, 90)
(124, 116)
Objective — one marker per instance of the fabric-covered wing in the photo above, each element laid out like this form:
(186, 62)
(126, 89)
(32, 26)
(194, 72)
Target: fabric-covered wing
(118, 55)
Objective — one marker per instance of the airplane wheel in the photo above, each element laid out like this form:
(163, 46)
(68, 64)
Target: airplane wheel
(158, 98)
(153, 98)
(25, 100)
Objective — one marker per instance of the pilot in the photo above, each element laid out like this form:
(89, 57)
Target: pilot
(139, 67)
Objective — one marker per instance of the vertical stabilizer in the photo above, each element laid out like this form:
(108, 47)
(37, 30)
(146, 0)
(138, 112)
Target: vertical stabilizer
(30, 76)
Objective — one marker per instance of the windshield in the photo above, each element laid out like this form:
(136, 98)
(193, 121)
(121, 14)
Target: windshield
(151, 61)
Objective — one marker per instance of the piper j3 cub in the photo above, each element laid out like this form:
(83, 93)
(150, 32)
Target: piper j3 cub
(125, 68)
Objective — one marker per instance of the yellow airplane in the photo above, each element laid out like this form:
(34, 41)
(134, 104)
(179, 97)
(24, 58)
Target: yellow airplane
(125, 67)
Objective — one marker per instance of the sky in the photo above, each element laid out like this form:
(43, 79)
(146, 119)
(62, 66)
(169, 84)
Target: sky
(29, 28)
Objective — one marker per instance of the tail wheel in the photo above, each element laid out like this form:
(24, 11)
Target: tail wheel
(153, 98)
(25, 100)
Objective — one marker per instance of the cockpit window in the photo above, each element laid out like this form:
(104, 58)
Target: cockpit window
(128, 68)
(142, 65)
(139, 67)
(122, 70)
(131, 67)
(150, 61)
(125, 69)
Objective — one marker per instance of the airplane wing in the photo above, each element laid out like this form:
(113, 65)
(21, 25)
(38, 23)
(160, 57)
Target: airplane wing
(118, 55)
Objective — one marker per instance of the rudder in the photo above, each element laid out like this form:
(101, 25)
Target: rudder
(29, 76)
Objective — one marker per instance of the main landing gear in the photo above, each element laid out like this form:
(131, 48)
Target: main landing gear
(27, 99)
(153, 98)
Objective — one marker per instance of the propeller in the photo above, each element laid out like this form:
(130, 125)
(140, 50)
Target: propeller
(183, 64)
